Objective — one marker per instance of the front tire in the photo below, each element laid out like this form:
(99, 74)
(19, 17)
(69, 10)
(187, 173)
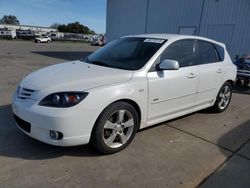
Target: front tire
(115, 128)
(223, 98)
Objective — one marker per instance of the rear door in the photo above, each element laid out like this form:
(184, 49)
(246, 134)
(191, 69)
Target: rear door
(210, 70)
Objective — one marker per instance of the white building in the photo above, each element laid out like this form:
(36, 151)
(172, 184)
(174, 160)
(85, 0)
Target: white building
(28, 27)
(25, 30)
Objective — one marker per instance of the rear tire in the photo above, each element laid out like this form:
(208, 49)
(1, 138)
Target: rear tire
(115, 128)
(223, 98)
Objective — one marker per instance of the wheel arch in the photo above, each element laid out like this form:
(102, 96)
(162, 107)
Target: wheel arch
(129, 101)
(135, 105)
(230, 81)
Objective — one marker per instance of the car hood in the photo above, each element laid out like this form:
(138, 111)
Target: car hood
(74, 76)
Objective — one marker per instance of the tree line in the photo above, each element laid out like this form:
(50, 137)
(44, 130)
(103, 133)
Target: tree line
(74, 27)
(9, 19)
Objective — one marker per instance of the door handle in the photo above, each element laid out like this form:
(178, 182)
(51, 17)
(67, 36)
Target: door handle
(191, 75)
(219, 71)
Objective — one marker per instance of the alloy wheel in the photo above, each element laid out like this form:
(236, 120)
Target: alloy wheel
(224, 97)
(118, 128)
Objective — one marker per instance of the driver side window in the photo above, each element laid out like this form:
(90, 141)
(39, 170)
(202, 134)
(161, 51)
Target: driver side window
(182, 51)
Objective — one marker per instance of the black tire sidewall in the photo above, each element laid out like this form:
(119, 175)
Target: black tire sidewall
(97, 133)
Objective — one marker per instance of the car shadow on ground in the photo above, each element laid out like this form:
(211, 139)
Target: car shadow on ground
(236, 138)
(234, 171)
(65, 55)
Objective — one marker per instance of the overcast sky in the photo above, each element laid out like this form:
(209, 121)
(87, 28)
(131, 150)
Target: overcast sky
(91, 13)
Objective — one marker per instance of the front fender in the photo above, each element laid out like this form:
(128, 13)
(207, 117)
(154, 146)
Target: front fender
(136, 91)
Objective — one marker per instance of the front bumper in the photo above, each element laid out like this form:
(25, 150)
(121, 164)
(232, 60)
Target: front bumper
(74, 123)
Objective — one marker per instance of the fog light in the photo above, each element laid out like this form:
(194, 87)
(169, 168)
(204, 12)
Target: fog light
(55, 135)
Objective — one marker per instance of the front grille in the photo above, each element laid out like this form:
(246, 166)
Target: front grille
(26, 126)
(24, 93)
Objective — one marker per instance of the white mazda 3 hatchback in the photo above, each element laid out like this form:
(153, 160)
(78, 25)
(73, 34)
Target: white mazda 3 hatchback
(131, 83)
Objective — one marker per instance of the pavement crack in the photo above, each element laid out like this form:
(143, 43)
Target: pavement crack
(214, 171)
(208, 141)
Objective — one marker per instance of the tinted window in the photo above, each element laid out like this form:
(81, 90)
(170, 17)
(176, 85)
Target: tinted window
(125, 50)
(207, 53)
(221, 52)
(181, 51)
(128, 53)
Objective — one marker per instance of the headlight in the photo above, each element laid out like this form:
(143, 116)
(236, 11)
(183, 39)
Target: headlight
(63, 99)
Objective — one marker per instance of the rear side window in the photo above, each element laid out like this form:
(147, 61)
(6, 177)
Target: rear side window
(181, 51)
(207, 53)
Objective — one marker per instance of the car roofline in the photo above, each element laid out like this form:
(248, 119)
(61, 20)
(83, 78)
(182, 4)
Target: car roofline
(165, 36)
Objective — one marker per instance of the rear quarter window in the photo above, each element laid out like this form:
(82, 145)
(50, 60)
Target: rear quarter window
(207, 53)
(221, 52)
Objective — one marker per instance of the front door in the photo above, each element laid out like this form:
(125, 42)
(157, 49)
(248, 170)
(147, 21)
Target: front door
(173, 92)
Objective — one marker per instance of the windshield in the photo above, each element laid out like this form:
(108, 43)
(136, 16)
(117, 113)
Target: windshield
(130, 53)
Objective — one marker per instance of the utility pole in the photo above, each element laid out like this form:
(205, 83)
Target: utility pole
(201, 15)
(77, 32)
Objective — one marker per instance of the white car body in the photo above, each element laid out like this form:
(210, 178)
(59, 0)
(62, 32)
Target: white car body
(98, 41)
(158, 97)
(43, 39)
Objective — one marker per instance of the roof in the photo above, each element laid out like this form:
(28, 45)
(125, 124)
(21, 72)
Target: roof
(156, 36)
(166, 36)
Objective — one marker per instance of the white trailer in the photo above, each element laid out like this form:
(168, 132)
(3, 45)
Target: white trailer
(6, 33)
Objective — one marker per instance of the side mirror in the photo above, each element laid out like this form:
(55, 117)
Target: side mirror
(168, 64)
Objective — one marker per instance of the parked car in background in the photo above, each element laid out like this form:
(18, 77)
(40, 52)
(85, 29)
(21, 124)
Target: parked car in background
(129, 84)
(98, 41)
(41, 39)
